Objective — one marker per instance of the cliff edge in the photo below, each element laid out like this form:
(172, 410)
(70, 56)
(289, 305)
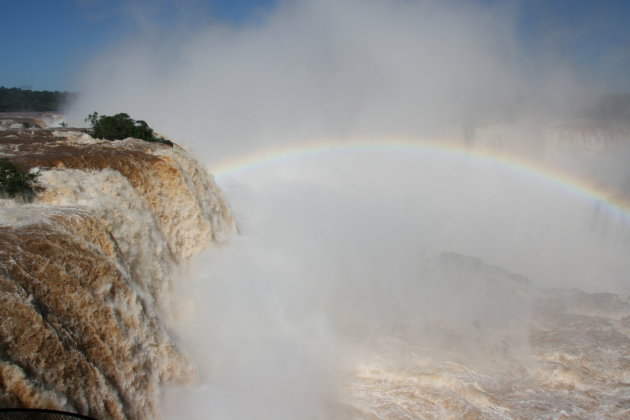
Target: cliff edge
(86, 270)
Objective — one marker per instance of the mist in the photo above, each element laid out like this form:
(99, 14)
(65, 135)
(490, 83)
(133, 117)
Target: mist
(363, 259)
(313, 69)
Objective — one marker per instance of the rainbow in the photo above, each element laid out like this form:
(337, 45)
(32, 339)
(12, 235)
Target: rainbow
(446, 149)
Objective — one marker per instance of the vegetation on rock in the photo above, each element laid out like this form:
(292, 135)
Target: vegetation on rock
(122, 126)
(16, 182)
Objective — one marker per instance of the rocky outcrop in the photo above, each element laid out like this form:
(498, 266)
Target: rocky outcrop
(86, 270)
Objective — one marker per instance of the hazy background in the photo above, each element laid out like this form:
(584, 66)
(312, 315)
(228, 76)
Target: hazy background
(312, 69)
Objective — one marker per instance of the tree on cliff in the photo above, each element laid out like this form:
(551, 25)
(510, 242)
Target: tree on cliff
(121, 126)
(16, 182)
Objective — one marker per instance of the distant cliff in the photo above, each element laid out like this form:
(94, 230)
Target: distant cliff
(593, 151)
(86, 269)
(16, 99)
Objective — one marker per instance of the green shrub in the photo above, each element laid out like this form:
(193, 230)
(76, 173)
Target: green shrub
(121, 126)
(16, 182)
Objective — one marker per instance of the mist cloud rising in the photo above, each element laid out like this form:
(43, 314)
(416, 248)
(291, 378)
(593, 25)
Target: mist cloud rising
(351, 258)
(375, 259)
(313, 69)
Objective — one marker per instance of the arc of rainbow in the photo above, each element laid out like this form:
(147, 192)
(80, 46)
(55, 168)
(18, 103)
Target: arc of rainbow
(278, 155)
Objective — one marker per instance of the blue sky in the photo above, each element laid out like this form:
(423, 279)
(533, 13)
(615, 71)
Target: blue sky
(47, 41)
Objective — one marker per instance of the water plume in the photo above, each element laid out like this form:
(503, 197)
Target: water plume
(320, 69)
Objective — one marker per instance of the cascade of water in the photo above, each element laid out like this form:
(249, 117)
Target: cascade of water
(87, 269)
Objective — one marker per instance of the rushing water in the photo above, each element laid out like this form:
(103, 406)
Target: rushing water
(86, 270)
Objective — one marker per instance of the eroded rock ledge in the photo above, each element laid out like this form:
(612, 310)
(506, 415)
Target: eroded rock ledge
(85, 270)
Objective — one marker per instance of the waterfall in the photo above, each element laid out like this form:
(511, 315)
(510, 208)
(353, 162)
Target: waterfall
(86, 270)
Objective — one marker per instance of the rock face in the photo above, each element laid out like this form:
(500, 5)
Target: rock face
(86, 269)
